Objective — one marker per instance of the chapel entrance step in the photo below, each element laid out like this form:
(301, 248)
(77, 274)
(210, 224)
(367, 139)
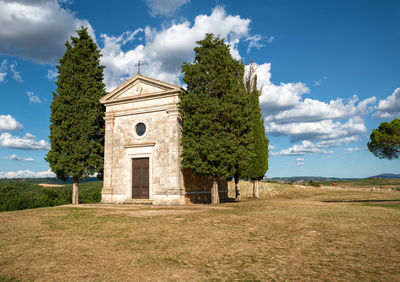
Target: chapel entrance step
(139, 202)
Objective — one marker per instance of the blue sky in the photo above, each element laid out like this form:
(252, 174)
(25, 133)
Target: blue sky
(329, 70)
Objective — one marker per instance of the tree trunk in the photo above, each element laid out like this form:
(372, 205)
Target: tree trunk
(75, 195)
(237, 189)
(255, 188)
(214, 192)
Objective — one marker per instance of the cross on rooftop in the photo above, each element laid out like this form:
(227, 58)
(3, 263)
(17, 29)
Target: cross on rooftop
(138, 65)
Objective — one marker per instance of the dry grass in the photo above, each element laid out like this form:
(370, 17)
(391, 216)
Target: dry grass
(300, 234)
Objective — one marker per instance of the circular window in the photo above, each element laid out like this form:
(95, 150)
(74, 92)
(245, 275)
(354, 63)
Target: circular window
(140, 129)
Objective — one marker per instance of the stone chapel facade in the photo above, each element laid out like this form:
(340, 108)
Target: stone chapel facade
(142, 146)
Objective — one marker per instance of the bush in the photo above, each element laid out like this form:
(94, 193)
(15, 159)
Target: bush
(314, 184)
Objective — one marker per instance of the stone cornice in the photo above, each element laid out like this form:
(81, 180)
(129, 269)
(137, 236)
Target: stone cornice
(142, 97)
(139, 145)
(169, 108)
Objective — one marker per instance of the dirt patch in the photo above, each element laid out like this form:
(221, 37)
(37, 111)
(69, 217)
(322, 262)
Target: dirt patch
(51, 185)
(146, 210)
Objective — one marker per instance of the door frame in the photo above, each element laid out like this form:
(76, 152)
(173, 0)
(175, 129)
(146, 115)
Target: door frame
(137, 152)
(132, 160)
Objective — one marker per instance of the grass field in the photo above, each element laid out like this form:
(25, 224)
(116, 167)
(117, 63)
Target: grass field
(291, 234)
(366, 183)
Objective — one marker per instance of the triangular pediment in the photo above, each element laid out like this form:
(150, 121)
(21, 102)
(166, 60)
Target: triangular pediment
(137, 86)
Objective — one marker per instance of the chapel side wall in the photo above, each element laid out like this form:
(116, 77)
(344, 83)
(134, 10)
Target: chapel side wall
(198, 189)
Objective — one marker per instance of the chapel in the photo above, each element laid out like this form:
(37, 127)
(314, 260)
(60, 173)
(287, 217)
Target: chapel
(142, 147)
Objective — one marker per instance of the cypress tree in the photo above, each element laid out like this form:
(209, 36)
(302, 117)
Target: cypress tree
(207, 110)
(76, 119)
(258, 165)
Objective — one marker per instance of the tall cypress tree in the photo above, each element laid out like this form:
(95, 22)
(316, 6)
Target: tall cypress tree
(207, 110)
(76, 119)
(258, 165)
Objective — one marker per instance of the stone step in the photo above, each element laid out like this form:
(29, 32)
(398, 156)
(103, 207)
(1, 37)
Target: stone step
(139, 202)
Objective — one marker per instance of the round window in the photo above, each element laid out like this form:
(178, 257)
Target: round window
(140, 129)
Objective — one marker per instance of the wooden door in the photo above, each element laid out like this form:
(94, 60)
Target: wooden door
(140, 178)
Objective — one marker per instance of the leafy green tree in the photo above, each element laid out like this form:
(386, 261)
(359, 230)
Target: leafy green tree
(208, 111)
(258, 165)
(76, 119)
(385, 141)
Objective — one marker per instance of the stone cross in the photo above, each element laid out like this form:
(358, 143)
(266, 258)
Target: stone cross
(138, 65)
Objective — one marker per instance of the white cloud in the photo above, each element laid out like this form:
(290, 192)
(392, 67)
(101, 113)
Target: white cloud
(164, 7)
(17, 158)
(319, 82)
(300, 164)
(271, 147)
(26, 174)
(321, 130)
(352, 150)
(255, 41)
(33, 98)
(305, 148)
(3, 70)
(8, 123)
(300, 159)
(310, 110)
(286, 112)
(163, 51)
(52, 74)
(275, 98)
(389, 107)
(27, 142)
(36, 30)
(337, 142)
(5, 67)
(15, 74)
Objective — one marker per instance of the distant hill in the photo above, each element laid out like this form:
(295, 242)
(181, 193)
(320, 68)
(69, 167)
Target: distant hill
(386, 175)
(321, 178)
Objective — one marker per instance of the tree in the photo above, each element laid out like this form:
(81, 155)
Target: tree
(385, 141)
(258, 165)
(76, 119)
(207, 110)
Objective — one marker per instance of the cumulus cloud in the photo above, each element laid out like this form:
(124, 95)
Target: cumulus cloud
(286, 112)
(36, 30)
(311, 110)
(26, 174)
(8, 123)
(164, 7)
(27, 142)
(389, 107)
(300, 159)
(17, 158)
(163, 51)
(276, 98)
(322, 130)
(305, 148)
(33, 98)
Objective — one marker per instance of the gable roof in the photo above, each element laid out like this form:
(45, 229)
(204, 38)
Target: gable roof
(139, 86)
